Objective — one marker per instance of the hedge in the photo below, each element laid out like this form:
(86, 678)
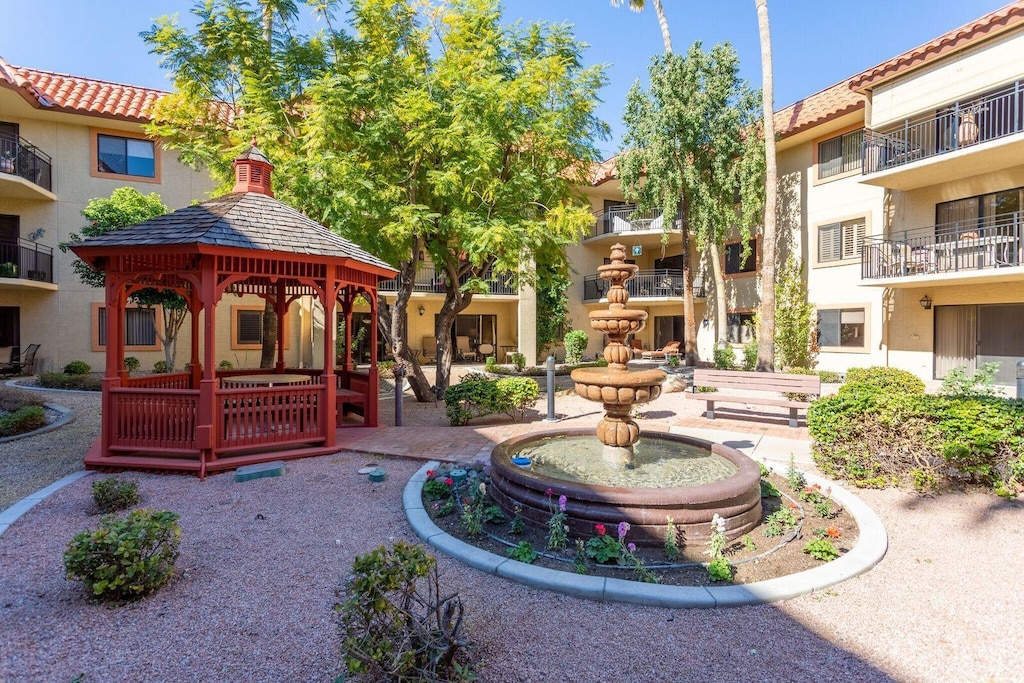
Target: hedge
(476, 396)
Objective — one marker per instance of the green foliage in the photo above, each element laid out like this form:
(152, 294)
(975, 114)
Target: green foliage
(794, 318)
(779, 522)
(725, 357)
(750, 355)
(518, 361)
(603, 549)
(131, 364)
(491, 364)
(386, 369)
(395, 624)
(876, 437)
(720, 569)
(575, 345)
(77, 367)
(493, 514)
(671, 540)
(886, 380)
(769, 490)
(12, 399)
(553, 282)
(476, 396)
(523, 552)
(58, 380)
(557, 538)
(113, 494)
(579, 560)
(518, 524)
(125, 558)
(957, 383)
(436, 490)
(794, 477)
(23, 420)
(830, 376)
(748, 543)
(225, 365)
(161, 366)
(821, 549)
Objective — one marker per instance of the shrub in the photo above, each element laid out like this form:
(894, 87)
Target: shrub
(523, 552)
(725, 357)
(957, 383)
(12, 399)
(161, 366)
(518, 361)
(794, 318)
(750, 355)
(225, 365)
(77, 367)
(830, 376)
(395, 623)
(125, 558)
(58, 380)
(575, 345)
(887, 380)
(113, 494)
(386, 369)
(821, 549)
(131, 364)
(490, 363)
(476, 396)
(516, 395)
(720, 569)
(22, 420)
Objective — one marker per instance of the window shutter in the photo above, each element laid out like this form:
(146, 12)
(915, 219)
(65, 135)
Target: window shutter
(250, 327)
(829, 237)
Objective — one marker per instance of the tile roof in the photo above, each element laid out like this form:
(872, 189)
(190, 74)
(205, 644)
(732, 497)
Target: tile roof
(832, 102)
(993, 23)
(78, 95)
(247, 220)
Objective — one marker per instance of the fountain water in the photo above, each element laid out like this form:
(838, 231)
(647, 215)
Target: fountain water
(622, 477)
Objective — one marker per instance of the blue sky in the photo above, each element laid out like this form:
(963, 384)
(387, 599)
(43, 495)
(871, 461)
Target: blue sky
(816, 43)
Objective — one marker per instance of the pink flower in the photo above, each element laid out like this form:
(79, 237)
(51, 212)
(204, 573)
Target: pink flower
(600, 529)
(449, 481)
(623, 529)
(561, 503)
(631, 547)
(550, 492)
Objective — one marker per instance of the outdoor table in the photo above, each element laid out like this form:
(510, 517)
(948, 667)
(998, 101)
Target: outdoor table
(268, 380)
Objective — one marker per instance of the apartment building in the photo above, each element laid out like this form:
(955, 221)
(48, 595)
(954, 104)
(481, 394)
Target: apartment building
(901, 189)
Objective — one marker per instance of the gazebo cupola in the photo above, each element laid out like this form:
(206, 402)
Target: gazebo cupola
(252, 171)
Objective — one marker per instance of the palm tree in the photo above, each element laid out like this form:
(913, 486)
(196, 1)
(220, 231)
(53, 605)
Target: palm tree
(638, 5)
(766, 335)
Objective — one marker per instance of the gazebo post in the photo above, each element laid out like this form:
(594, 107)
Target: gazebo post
(346, 308)
(280, 308)
(373, 382)
(206, 416)
(194, 306)
(330, 380)
(112, 375)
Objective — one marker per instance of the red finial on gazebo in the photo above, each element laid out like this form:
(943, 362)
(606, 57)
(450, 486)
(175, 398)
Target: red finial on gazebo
(252, 171)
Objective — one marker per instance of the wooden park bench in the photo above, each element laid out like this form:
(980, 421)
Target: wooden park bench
(807, 385)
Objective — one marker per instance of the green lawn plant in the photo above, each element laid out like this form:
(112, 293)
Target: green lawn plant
(821, 549)
(23, 420)
(125, 558)
(113, 494)
(523, 552)
(575, 342)
(780, 521)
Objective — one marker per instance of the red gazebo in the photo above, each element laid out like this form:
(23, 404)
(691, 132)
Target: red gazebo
(205, 420)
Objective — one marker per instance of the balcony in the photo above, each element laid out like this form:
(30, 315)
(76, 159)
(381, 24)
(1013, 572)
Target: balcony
(625, 219)
(951, 253)
(959, 140)
(25, 171)
(432, 282)
(648, 285)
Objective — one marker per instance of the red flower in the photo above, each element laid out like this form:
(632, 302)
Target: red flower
(600, 529)
(430, 473)
(833, 532)
(449, 481)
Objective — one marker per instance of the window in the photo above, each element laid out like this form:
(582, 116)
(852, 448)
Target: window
(139, 327)
(840, 241)
(842, 328)
(734, 263)
(249, 327)
(740, 328)
(840, 154)
(125, 156)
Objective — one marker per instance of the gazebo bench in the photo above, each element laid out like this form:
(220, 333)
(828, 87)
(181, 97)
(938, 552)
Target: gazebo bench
(346, 398)
(807, 385)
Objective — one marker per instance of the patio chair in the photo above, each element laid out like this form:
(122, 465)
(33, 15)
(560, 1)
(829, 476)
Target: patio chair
(669, 349)
(429, 347)
(485, 350)
(464, 348)
(20, 364)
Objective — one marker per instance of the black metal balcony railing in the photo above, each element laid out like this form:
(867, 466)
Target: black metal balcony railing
(956, 126)
(627, 219)
(26, 259)
(663, 282)
(20, 157)
(429, 280)
(992, 242)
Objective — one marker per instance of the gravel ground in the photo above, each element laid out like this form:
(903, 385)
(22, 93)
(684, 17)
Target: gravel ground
(261, 561)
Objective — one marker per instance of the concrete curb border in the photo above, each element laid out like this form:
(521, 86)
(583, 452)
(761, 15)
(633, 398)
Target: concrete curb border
(17, 385)
(14, 512)
(869, 551)
(66, 416)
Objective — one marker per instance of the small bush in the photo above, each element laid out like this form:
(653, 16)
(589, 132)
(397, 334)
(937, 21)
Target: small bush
(59, 380)
(725, 357)
(821, 549)
(888, 380)
(225, 365)
(476, 396)
(113, 494)
(22, 421)
(131, 364)
(830, 376)
(77, 367)
(750, 355)
(395, 623)
(161, 367)
(518, 361)
(125, 558)
(957, 383)
(12, 399)
(516, 395)
(490, 363)
(386, 369)
(575, 343)
(720, 569)
(523, 552)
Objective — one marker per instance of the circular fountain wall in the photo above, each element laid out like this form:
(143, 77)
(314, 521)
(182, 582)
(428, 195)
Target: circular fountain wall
(674, 476)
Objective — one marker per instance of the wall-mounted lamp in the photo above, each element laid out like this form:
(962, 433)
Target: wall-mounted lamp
(421, 310)
(926, 302)
(705, 322)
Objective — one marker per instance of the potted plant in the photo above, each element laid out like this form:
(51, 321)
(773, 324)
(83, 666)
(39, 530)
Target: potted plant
(8, 269)
(7, 162)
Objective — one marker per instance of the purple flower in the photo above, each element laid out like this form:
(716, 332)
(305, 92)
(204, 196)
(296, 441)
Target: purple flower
(561, 503)
(631, 547)
(550, 492)
(623, 529)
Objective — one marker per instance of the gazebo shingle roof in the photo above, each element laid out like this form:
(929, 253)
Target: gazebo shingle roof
(247, 220)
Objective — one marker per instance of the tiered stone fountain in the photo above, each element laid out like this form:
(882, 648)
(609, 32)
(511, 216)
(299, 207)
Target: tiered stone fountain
(621, 476)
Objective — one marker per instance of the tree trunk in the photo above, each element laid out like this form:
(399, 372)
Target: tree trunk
(663, 24)
(714, 252)
(454, 303)
(396, 319)
(766, 335)
(690, 354)
(268, 357)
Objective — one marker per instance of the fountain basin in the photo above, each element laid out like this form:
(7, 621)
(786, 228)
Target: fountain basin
(736, 497)
(616, 387)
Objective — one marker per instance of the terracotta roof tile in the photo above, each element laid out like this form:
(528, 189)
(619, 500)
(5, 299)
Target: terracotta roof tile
(972, 32)
(830, 103)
